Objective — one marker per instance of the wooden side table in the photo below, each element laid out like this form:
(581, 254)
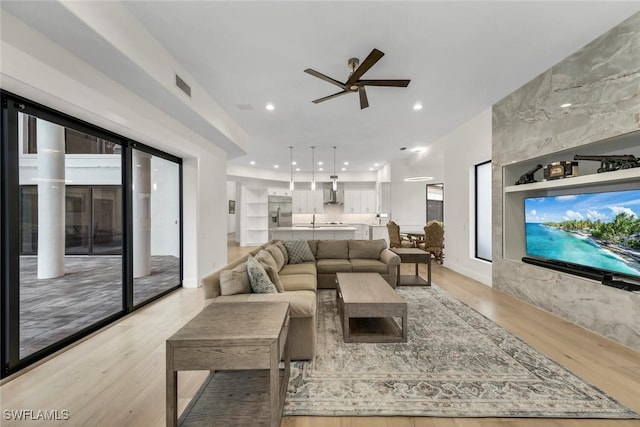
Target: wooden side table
(416, 256)
(239, 339)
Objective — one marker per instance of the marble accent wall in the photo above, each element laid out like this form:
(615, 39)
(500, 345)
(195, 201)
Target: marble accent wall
(602, 82)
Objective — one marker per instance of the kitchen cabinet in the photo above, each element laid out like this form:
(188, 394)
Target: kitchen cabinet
(359, 201)
(307, 202)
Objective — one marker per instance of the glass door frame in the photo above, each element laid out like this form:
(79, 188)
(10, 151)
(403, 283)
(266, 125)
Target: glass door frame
(11, 105)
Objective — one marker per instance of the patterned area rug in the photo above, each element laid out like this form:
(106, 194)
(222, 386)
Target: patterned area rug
(456, 363)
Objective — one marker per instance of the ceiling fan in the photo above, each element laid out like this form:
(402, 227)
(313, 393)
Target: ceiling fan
(353, 83)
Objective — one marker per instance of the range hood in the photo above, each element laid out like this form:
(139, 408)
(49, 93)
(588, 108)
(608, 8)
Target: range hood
(331, 197)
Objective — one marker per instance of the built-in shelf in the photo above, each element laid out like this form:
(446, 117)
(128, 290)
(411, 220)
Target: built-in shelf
(578, 181)
(254, 216)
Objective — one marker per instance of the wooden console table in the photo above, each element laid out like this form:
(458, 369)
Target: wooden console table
(416, 256)
(246, 342)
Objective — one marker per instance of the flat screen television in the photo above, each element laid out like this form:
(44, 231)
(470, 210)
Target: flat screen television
(596, 234)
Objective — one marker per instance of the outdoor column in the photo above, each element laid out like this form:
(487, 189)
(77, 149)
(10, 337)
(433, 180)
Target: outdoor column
(141, 214)
(51, 200)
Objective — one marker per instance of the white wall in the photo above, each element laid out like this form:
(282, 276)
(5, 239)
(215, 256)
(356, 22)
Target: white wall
(464, 148)
(38, 69)
(409, 199)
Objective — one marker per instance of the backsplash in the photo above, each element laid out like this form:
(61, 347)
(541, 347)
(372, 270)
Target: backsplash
(335, 213)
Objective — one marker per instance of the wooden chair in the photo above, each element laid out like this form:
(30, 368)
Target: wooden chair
(396, 240)
(434, 240)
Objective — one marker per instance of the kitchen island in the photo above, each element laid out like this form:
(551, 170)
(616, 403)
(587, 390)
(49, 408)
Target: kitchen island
(312, 233)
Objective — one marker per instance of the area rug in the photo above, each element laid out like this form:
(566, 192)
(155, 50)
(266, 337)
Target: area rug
(456, 363)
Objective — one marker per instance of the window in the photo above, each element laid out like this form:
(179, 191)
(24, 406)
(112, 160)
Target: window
(483, 222)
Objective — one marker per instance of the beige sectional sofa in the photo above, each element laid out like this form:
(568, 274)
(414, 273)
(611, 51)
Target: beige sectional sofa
(300, 281)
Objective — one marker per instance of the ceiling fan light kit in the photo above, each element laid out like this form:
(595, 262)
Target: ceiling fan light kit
(353, 83)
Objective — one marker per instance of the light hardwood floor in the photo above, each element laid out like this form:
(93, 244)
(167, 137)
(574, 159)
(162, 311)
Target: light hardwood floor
(117, 378)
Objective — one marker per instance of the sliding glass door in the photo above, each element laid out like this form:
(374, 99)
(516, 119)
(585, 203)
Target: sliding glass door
(62, 290)
(91, 229)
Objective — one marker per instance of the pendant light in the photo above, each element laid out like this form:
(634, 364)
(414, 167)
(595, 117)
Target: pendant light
(334, 177)
(291, 184)
(313, 168)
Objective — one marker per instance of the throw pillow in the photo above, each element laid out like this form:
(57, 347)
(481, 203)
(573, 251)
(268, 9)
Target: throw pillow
(276, 253)
(280, 246)
(266, 259)
(273, 276)
(298, 251)
(235, 281)
(260, 283)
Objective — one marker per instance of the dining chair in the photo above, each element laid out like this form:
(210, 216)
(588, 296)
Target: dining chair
(397, 240)
(434, 240)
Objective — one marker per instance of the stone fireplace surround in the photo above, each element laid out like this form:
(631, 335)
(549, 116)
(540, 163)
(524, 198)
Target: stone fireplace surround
(602, 82)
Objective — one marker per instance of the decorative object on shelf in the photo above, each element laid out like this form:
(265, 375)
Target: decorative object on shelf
(610, 163)
(557, 170)
(527, 177)
(232, 206)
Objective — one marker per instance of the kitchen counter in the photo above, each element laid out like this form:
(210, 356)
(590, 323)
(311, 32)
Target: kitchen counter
(324, 232)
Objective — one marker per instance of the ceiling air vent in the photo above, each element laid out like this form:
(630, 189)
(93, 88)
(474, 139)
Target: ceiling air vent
(183, 86)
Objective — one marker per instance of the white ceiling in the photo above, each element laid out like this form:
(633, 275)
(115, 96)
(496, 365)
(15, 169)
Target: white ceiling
(461, 58)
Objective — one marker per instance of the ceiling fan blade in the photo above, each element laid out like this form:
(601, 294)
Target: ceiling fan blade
(325, 78)
(364, 102)
(394, 83)
(369, 61)
(326, 98)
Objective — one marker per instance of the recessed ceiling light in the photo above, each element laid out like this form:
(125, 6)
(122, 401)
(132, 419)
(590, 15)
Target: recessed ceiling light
(252, 162)
(294, 163)
(319, 163)
(568, 104)
(370, 169)
(343, 169)
(346, 163)
(276, 166)
(297, 169)
(417, 106)
(376, 164)
(320, 169)
(270, 107)
(418, 178)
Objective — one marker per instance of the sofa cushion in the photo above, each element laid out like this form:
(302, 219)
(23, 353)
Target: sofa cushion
(235, 281)
(301, 303)
(280, 246)
(299, 282)
(313, 245)
(276, 253)
(333, 266)
(369, 266)
(302, 268)
(366, 249)
(334, 249)
(260, 282)
(298, 251)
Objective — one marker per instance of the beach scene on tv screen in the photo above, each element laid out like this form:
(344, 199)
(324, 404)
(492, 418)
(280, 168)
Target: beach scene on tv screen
(600, 230)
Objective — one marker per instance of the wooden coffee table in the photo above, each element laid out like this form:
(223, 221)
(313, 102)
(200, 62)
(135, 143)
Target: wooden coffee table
(416, 256)
(244, 343)
(368, 305)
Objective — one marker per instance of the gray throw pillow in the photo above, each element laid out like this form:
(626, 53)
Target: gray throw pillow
(260, 283)
(298, 251)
